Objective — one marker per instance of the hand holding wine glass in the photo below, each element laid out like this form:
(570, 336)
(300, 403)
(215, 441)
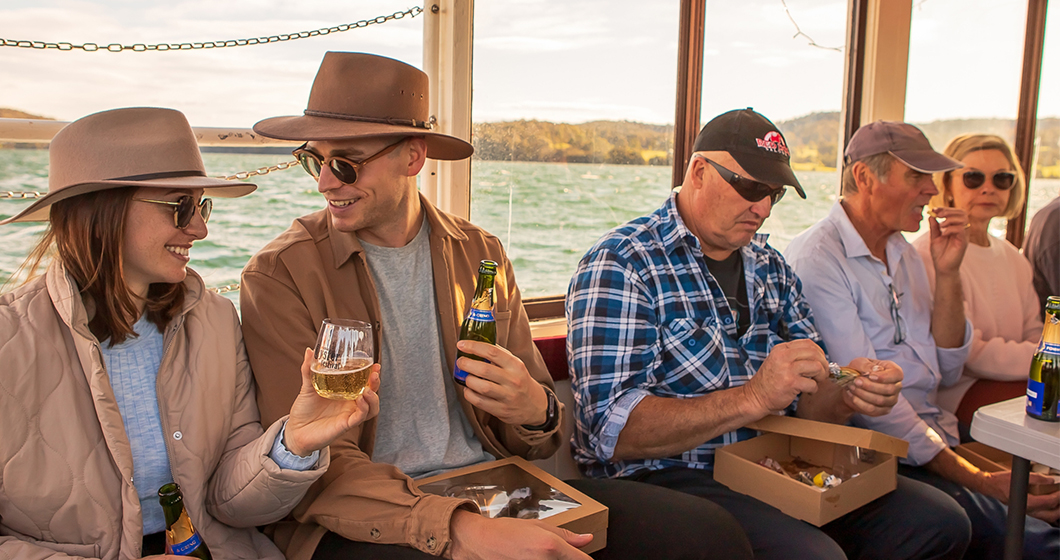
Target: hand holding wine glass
(339, 381)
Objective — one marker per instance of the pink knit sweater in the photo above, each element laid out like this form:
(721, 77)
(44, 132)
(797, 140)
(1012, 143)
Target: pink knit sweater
(1002, 306)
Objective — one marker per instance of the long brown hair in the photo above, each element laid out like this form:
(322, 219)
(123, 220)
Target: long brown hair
(86, 234)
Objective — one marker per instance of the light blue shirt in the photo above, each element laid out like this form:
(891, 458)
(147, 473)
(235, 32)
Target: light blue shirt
(133, 369)
(848, 290)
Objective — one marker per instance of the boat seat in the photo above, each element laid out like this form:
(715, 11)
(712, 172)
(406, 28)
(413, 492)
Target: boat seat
(987, 391)
(554, 351)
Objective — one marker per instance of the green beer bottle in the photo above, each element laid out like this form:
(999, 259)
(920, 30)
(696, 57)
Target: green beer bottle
(181, 538)
(479, 323)
(1043, 386)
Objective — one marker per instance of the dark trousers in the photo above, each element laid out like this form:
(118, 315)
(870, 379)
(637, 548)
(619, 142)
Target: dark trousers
(644, 522)
(1040, 539)
(914, 521)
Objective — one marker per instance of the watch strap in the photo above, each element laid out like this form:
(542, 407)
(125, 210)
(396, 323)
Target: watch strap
(551, 415)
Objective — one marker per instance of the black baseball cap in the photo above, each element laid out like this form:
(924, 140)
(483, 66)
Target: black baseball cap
(754, 142)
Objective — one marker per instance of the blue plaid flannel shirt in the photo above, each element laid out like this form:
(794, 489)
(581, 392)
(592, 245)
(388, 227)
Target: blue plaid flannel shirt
(646, 317)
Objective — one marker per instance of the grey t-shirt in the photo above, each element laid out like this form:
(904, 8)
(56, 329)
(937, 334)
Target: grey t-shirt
(421, 429)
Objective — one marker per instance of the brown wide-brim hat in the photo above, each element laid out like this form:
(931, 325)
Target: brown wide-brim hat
(360, 95)
(136, 147)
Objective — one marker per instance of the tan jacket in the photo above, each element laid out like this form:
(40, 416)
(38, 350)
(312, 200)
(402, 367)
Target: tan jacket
(66, 487)
(311, 272)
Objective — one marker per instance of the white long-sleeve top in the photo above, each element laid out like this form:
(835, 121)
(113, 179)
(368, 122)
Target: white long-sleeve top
(1000, 302)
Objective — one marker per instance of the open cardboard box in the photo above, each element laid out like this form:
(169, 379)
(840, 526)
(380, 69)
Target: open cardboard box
(989, 459)
(513, 473)
(827, 445)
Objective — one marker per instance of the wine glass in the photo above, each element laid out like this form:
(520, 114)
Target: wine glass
(343, 358)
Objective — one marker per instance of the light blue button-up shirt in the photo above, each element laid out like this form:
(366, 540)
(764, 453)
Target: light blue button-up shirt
(849, 291)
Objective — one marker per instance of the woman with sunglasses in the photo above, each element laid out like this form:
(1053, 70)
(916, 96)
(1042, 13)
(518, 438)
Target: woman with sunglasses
(122, 372)
(999, 296)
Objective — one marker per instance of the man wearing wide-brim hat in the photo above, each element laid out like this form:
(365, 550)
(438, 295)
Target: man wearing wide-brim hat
(379, 252)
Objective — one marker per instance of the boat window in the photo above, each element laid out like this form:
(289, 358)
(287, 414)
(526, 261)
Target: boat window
(225, 87)
(753, 57)
(573, 108)
(965, 63)
(1045, 183)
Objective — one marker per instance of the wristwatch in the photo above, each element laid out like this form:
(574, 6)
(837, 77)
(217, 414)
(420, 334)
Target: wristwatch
(551, 415)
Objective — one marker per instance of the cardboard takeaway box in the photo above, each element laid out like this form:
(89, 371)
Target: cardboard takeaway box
(513, 473)
(819, 443)
(988, 459)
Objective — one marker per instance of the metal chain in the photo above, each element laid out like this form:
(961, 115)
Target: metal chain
(24, 195)
(162, 47)
(225, 289)
(259, 171)
(21, 194)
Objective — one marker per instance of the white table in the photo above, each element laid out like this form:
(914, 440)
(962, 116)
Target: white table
(1006, 426)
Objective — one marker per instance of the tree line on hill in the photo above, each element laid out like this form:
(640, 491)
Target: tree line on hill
(812, 139)
(621, 142)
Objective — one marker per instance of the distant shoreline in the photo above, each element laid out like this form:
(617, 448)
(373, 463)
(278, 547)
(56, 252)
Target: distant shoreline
(812, 139)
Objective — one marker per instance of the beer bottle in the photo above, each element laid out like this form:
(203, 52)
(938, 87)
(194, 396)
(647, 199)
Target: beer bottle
(181, 538)
(1043, 386)
(479, 324)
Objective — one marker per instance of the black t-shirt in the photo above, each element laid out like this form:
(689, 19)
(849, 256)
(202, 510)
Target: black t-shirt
(729, 274)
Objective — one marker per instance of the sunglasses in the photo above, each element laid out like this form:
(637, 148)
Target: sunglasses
(1003, 180)
(750, 190)
(184, 209)
(896, 305)
(344, 169)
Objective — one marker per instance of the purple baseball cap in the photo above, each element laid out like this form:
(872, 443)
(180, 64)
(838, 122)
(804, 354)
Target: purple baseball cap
(903, 141)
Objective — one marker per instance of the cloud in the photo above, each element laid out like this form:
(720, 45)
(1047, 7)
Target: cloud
(218, 87)
(557, 59)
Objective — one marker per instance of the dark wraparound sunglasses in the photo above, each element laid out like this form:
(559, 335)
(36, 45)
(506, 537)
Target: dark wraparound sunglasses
(184, 209)
(1003, 180)
(750, 190)
(344, 169)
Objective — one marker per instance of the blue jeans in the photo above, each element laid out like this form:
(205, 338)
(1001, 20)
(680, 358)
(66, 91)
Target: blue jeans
(915, 521)
(1040, 539)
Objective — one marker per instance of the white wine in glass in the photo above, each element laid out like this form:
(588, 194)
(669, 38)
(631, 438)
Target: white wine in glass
(342, 359)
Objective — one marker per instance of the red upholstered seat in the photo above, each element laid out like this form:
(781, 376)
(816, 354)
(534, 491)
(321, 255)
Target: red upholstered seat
(554, 351)
(984, 392)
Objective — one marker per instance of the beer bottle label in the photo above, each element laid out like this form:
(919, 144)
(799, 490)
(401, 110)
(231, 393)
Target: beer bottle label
(1035, 397)
(481, 315)
(460, 374)
(1048, 348)
(184, 548)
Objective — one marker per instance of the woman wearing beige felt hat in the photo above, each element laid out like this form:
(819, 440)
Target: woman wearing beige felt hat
(122, 373)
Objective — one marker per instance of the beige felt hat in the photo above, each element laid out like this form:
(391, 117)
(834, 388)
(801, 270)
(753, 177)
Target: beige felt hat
(136, 147)
(359, 95)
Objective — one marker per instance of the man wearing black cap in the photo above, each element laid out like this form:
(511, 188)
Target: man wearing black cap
(870, 291)
(381, 253)
(684, 326)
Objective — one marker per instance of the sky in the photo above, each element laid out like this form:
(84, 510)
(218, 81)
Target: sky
(558, 60)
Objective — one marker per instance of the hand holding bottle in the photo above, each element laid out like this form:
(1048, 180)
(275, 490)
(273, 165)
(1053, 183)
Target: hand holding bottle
(502, 386)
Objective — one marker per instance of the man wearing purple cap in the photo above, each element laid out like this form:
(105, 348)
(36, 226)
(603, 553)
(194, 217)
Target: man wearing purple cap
(684, 326)
(870, 294)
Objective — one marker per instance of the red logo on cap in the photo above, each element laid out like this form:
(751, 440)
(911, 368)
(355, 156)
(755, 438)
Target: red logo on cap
(773, 142)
